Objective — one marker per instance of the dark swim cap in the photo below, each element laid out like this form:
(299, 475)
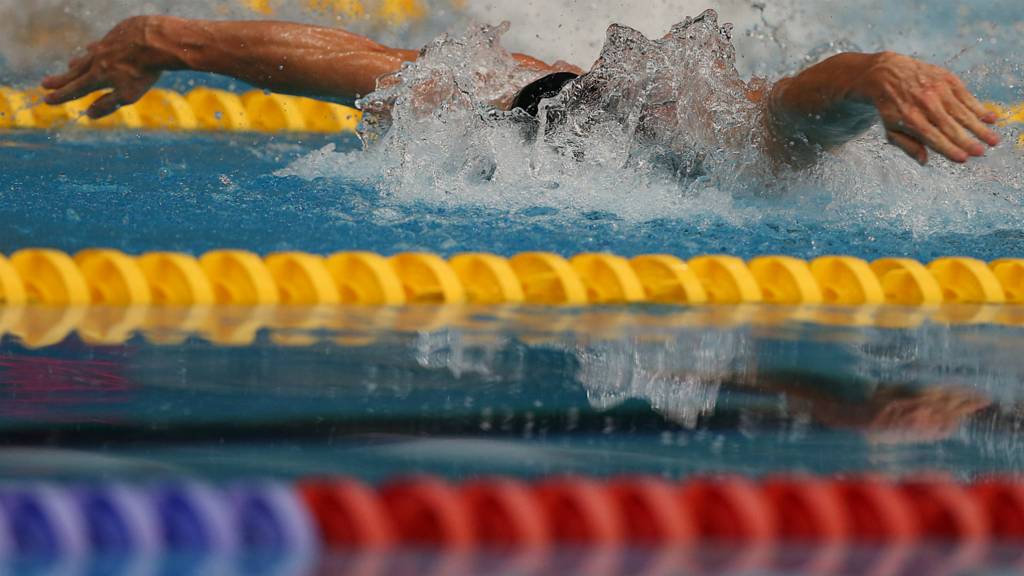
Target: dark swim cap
(528, 99)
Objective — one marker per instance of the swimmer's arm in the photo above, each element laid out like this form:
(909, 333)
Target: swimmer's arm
(921, 106)
(280, 56)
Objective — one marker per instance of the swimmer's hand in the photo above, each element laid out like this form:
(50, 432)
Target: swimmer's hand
(128, 60)
(922, 107)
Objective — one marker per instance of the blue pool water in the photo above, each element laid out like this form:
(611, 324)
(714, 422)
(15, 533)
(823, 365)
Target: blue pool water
(141, 192)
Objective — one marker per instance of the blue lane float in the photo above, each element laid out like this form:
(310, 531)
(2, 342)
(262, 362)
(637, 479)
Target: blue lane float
(43, 522)
(120, 519)
(195, 518)
(272, 519)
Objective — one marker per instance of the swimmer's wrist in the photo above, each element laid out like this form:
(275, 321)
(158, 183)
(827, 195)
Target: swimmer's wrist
(864, 86)
(173, 42)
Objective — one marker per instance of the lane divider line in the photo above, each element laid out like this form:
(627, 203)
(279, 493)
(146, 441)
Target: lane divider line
(109, 296)
(202, 108)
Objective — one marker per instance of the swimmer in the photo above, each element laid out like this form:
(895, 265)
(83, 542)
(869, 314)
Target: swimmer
(922, 106)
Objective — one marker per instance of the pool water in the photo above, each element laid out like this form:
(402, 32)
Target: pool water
(139, 192)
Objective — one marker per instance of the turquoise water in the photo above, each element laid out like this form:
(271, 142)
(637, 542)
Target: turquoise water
(141, 192)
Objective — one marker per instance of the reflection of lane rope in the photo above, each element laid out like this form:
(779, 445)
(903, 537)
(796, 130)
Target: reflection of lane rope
(724, 524)
(108, 296)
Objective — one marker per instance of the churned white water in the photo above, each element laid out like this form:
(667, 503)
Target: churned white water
(659, 128)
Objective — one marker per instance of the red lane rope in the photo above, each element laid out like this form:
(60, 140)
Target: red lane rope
(728, 509)
(650, 512)
(877, 510)
(427, 512)
(1002, 503)
(580, 511)
(349, 514)
(504, 513)
(807, 510)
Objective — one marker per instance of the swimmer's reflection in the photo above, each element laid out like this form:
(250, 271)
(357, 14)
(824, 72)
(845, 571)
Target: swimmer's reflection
(885, 413)
(684, 377)
(685, 385)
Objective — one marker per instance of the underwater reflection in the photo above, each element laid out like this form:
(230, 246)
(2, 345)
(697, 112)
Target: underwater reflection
(909, 381)
(474, 390)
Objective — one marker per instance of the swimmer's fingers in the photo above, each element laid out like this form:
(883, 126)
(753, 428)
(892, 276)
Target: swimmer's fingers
(76, 68)
(123, 96)
(965, 97)
(105, 105)
(970, 120)
(912, 147)
(935, 104)
(75, 89)
(917, 125)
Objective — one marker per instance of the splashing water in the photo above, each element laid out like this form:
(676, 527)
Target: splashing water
(684, 110)
(675, 103)
(437, 133)
(657, 129)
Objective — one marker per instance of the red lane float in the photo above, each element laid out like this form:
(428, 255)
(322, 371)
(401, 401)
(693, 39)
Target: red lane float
(945, 510)
(348, 514)
(1002, 502)
(650, 512)
(728, 509)
(427, 512)
(580, 511)
(806, 509)
(876, 510)
(506, 514)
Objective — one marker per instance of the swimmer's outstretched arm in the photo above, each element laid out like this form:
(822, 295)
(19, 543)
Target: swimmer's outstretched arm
(921, 106)
(281, 56)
